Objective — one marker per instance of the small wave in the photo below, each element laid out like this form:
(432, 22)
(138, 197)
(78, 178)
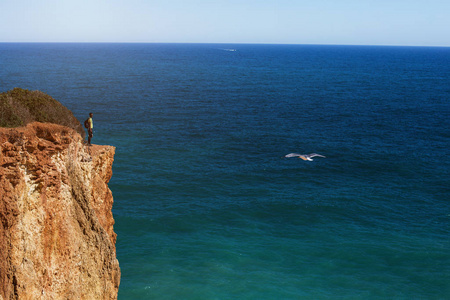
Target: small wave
(230, 50)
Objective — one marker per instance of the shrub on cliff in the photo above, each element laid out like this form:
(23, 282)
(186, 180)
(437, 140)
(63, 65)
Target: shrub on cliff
(19, 107)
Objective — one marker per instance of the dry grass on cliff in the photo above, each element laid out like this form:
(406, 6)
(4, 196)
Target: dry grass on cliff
(19, 107)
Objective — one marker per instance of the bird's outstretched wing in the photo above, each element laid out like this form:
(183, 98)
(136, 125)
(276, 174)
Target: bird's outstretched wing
(315, 154)
(292, 155)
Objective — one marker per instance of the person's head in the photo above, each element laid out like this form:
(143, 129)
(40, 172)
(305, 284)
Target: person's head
(91, 115)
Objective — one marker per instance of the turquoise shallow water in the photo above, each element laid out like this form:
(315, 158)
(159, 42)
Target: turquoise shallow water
(205, 205)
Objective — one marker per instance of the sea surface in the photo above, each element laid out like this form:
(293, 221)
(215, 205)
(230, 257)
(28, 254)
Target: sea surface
(206, 207)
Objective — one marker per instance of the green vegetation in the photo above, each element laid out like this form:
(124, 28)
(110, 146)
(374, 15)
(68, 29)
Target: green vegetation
(19, 107)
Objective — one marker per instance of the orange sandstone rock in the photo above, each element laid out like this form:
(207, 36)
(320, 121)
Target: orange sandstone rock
(56, 226)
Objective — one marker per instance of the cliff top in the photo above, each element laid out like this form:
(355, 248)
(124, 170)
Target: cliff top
(18, 107)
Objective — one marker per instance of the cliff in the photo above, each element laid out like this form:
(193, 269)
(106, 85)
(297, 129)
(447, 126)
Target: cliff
(56, 225)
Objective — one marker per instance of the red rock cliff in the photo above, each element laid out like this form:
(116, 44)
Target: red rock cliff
(56, 225)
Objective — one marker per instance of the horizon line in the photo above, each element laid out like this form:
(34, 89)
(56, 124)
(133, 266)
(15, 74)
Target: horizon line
(227, 43)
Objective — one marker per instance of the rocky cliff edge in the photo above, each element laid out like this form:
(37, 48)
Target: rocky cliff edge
(56, 225)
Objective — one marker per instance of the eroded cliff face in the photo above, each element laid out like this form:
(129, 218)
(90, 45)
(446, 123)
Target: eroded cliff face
(56, 225)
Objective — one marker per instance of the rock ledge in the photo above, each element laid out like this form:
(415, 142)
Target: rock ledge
(56, 226)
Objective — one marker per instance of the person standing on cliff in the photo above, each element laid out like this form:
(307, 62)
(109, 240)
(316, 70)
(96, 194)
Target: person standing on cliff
(90, 128)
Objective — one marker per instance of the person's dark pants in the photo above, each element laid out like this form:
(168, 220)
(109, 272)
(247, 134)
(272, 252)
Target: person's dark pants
(90, 135)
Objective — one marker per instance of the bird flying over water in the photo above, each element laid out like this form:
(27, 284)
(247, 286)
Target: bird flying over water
(304, 156)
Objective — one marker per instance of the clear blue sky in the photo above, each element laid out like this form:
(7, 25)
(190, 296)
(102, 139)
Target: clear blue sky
(352, 22)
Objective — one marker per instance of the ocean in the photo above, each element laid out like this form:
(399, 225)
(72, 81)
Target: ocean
(207, 207)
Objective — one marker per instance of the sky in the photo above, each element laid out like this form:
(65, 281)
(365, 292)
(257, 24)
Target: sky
(341, 22)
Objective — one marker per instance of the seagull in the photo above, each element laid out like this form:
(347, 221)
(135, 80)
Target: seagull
(304, 156)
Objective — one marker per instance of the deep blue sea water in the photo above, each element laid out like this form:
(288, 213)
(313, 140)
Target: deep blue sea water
(205, 205)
